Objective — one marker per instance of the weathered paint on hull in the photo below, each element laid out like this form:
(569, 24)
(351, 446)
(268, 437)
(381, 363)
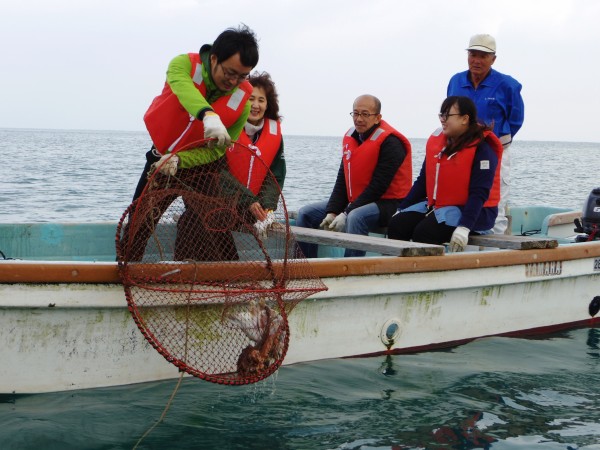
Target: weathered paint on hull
(433, 310)
(74, 336)
(79, 335)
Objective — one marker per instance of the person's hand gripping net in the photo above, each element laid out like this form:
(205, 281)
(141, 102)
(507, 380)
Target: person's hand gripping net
(167, 164)
(215, 131)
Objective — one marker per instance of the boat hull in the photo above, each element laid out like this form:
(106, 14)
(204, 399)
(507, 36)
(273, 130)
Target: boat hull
(66, 326)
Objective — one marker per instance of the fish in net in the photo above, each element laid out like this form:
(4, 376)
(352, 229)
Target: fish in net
(208, 285)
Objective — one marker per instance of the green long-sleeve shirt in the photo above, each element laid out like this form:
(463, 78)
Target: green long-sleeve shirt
(180, 82)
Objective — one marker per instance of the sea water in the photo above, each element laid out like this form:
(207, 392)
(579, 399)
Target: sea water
(72, 176)
(496, 393)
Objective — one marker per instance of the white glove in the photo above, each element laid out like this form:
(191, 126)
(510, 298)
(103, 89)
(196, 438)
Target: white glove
(339, 223)
(459, 239)
(262, 226)
(214, 129)
(167, 164)
(327, 221)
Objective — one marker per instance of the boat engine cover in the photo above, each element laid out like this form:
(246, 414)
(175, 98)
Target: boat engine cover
(591, 212)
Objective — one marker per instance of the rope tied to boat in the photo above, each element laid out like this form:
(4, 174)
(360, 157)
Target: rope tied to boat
(209, 287)
(593, 234)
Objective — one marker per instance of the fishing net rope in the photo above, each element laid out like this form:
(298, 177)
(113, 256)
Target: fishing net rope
(208, 285)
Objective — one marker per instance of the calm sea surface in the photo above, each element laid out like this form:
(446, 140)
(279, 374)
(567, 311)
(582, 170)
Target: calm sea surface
(496, 393)
(71, 176)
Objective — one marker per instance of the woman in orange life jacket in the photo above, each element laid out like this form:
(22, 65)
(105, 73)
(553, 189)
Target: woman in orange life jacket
(262, 148)
(256, 190)
(458, 189)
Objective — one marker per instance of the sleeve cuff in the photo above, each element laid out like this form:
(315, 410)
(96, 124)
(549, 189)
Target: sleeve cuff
(202, 112)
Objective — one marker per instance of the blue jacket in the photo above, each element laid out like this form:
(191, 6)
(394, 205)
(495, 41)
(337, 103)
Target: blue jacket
(498, 100)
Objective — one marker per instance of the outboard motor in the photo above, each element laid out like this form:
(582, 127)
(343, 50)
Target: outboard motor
(590, 220)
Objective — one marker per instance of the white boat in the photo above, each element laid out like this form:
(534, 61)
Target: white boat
(64, 321)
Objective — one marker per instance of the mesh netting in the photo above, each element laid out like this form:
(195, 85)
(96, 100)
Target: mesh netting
(208, 286)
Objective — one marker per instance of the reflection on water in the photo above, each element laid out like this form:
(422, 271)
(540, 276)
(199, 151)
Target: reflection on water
(497, 393)
(593, 342)
(387, 368)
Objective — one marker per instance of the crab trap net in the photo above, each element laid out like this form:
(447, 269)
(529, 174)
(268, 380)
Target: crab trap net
(208, 285)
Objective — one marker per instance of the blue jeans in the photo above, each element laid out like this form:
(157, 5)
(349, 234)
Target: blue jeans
(360, 221)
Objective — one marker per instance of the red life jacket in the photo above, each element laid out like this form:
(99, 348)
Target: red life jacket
(171, 127)
(448, 178)
(360, 161)
(243, 162)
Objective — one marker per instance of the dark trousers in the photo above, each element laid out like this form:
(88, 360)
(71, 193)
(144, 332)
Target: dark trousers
(419, 227)
(152, 156)
(203, 228)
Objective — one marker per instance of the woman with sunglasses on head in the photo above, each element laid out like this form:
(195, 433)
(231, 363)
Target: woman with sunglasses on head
(261, 149)
(458, 189)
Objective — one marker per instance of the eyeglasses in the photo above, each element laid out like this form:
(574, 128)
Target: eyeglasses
(232, 75)
(444, 116)
(364, 115)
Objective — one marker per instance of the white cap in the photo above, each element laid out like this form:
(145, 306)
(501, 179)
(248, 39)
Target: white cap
(483, 43)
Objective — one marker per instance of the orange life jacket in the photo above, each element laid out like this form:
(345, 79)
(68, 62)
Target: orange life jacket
(171, 127)
(360, 161)
(448, 178)
(250, 167)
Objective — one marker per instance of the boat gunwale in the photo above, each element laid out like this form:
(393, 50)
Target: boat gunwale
(88, 272)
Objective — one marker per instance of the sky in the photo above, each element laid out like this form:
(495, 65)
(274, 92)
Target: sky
(97, 65)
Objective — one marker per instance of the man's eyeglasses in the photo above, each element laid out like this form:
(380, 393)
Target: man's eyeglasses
(364, 115)
(232, 75)
(444, 116)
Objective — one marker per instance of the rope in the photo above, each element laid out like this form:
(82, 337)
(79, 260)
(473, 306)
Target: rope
(164, 413)
(529, 232)
(168, 405)
(592, 235)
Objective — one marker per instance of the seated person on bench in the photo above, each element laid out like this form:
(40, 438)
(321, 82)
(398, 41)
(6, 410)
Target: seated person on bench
(458, 188)
(374, 175)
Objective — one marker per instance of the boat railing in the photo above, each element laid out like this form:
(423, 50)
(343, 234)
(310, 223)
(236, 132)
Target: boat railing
(95, 241)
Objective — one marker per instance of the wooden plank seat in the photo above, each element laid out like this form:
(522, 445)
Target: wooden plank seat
(509, 242)
(373, 244)
(512, 242)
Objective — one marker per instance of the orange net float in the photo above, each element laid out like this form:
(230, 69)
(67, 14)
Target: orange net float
(208, 285)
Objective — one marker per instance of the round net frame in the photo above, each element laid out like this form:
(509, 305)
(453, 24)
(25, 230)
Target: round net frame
(208, 285)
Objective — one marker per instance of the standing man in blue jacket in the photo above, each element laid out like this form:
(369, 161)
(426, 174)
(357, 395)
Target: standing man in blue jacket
(499, 105)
